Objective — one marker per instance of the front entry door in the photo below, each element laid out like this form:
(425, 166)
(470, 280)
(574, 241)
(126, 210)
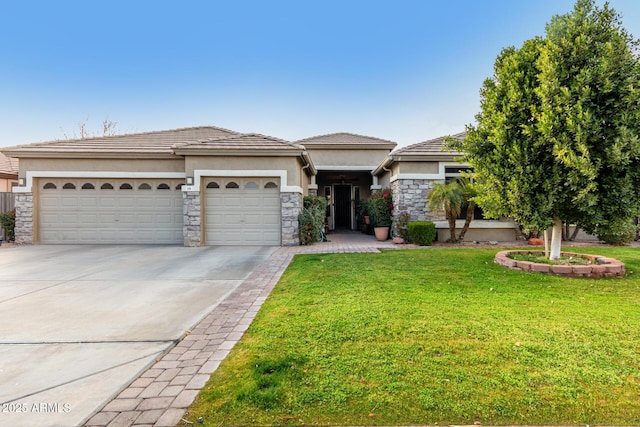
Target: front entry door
(342, 207)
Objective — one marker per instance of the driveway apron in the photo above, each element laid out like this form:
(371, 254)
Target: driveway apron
(80, 322)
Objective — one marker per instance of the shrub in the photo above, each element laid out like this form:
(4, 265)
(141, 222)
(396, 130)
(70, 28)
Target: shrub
(618, 233)
(422, 233)
(311, 219)
(8, 222)
(380, 208)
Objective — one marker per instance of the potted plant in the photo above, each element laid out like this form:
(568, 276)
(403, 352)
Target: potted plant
(380, 208)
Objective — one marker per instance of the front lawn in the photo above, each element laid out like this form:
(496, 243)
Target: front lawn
(434, 336)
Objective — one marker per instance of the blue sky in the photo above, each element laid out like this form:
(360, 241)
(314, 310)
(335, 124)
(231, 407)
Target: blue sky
(401, 70)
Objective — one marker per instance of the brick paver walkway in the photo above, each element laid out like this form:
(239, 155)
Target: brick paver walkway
(162, 394)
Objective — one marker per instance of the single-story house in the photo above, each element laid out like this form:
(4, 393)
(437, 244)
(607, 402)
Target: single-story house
(411, 171)
(8, 173)
(212, 186)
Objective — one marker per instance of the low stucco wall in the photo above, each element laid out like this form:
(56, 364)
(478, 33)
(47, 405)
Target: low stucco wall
(480, 231)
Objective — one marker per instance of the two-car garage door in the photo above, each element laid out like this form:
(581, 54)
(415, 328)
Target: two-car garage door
(120, 211)
(236, 211)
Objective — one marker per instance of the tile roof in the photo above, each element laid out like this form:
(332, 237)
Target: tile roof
(158, 142)
(432, 146)
(245, 141)
(344, 138)
(8, 166)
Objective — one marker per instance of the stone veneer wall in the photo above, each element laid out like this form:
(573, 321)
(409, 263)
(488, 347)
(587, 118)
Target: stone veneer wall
(410, 195)
(291, 207)
(24, 218)
(192, 224)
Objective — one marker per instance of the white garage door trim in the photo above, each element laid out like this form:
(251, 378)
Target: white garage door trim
(242, 211)
(31, 175)
(110, 211)
(274, 173)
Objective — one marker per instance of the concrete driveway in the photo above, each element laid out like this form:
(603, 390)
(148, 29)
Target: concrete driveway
(78, 323)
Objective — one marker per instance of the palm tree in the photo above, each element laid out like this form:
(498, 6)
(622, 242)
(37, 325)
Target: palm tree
(447, 198)
(468, 190)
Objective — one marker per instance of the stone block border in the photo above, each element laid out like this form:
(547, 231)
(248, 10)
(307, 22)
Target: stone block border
(601, 267)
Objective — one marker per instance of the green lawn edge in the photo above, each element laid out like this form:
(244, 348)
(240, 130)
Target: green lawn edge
(440, 336)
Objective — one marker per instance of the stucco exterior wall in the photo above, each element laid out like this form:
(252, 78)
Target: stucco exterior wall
(416, 167)
(289, 164)
(107, 165)
(353, 158)
(6, 184)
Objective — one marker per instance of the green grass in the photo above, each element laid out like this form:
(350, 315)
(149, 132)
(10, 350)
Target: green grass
(541, 259)
(434, 336)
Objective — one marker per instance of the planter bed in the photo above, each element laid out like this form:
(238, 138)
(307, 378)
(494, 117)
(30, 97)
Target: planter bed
(601, 266)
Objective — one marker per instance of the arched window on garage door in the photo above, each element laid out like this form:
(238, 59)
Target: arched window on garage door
(232, 184)
(49, 186)
(213, 184)
(69, 186)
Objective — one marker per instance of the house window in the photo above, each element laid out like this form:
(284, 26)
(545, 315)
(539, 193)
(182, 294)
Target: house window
(106, 186)
(126, 186)
(452, 174)
(49, 186)
(69, 186)
(213, 184)
(232, 185)
(88, 186)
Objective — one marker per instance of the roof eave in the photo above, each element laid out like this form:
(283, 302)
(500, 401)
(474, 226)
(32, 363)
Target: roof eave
(382, 167)
(199, 151)
(427, 157)
(307, 161)
(324, 146)
(93, 154)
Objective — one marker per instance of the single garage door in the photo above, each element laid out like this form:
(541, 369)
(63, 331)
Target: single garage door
(242, 211)
(120, 211)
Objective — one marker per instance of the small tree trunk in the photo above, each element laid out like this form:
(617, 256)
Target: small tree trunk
(452, 227)
(556, 239)
(546, 242)
(575, 233)
(467, 221)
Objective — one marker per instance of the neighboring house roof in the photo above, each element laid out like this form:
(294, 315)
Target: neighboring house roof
(429, 147)
(140, 144)
(8, 167)
(345, 140)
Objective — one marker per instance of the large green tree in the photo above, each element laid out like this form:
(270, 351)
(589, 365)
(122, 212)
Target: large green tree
(556, 139)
